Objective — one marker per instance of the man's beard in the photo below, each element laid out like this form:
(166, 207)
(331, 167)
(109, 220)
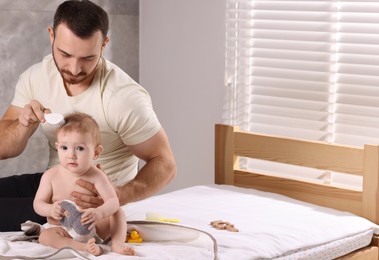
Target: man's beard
(72, 79)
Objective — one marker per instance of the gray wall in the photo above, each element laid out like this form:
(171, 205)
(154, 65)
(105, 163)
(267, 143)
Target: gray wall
(24, 41)
(182, 66)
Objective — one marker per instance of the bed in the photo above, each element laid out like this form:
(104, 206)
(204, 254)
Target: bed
(231, 143)
(253, 214)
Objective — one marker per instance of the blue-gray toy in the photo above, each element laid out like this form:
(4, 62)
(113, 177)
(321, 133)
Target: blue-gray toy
(72, 220)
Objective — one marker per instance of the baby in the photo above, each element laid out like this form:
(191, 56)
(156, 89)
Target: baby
(78, 144)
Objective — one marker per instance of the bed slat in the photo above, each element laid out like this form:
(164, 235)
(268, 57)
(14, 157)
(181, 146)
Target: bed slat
(338, 198)
(299, 152)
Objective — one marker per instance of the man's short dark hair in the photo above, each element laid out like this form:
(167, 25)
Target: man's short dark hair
(82, 17)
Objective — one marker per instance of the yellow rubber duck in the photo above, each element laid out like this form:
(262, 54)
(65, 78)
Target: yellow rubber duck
(134, 237)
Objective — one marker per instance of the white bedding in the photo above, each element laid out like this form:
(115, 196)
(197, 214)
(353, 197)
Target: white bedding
(270, 226)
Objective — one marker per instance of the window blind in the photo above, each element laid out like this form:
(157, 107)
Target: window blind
(306, 69)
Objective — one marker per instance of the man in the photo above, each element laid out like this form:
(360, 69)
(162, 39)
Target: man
(76, 77)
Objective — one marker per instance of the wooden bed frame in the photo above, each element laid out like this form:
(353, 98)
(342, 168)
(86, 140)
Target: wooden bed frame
(231, 143)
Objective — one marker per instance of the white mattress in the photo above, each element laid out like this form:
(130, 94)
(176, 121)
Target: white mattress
(270, 227)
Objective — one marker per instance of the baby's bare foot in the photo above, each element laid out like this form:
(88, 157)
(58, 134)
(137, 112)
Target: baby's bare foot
(93, 248)
(123, 250)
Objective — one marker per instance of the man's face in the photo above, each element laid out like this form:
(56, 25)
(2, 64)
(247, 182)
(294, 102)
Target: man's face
(76, 58)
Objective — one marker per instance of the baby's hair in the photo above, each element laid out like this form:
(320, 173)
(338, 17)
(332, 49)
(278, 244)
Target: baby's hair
(81, 123)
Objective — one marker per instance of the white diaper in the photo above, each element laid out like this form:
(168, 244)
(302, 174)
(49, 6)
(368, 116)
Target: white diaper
(73, 234)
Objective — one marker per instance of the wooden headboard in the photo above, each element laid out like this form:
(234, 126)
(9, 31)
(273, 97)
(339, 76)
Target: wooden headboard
(231, 143)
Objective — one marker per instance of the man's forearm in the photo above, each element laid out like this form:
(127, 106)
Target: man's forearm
(14, 137)
(150, 179)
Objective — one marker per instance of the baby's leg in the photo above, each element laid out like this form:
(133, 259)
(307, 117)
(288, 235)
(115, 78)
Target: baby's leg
(93, 248)
(118, 234)
(58, 238)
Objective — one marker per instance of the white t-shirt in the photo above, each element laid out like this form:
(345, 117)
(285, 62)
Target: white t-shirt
(121, 107)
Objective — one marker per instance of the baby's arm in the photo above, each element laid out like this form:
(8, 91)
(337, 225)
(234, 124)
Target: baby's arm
(107, 193)
(92, 215)
(42, 201)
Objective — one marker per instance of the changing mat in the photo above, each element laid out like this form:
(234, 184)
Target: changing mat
(160, 241)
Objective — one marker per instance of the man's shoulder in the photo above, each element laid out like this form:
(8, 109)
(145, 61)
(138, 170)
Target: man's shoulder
(116, 79)
(46, 66)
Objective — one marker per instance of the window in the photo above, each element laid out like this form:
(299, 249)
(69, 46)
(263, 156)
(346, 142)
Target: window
(303, 68)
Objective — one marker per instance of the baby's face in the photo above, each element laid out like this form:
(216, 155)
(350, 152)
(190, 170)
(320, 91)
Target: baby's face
(76, 151)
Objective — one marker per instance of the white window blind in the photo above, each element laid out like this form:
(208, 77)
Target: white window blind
(306, 69)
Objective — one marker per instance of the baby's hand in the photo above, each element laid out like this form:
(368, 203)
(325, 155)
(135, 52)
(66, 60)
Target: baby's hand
(90, 216)
(56, 211)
